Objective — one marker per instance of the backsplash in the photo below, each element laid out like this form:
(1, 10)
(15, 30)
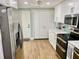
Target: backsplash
(61, 26)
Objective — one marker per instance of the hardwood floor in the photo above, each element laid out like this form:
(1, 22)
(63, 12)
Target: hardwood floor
(37, 49)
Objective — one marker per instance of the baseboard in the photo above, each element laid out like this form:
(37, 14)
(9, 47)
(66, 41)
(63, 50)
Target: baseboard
(41, 39)
(55, 51)
(52, 47)
(26, 39)
(58, 55)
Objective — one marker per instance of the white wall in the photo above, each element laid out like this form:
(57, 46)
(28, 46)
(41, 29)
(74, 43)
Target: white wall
(1, 47)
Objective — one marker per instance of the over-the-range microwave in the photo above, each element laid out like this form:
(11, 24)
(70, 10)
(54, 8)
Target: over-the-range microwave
(72, 20)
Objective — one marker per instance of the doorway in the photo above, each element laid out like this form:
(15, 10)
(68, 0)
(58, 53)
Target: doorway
(26, 24)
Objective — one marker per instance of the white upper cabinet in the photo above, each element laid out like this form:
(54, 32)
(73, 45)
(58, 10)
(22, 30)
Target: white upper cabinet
(13, 3)
(58, 14)
(76, 6)
(9, 3)
(65, 8)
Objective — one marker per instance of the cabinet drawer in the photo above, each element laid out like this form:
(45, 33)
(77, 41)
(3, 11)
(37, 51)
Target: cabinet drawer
(60, 52)
(61, 42)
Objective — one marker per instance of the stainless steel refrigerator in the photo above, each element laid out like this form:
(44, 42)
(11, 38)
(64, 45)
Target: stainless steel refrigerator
(6, 44)
(1, 47)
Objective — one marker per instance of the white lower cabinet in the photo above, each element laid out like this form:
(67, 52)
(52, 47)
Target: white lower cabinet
(53, 39)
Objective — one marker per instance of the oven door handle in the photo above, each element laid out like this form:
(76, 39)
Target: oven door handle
(76, 53)
(61, 40)
(61, 48)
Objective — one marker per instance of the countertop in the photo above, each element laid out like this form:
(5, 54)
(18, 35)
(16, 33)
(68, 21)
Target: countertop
(58, 31)
(74, 43)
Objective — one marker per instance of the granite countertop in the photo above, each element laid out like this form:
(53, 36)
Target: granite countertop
(74, 43)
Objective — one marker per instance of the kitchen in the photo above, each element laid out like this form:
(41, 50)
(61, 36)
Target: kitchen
(66, 44)
(57, 22)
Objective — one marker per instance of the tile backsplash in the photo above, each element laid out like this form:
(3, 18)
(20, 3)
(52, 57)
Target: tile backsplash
(61, 26)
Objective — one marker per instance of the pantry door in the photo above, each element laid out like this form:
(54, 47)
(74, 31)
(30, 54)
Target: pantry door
(42, 20)
(45, 17)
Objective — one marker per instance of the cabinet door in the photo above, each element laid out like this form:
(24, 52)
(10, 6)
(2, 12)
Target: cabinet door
(59, 14)
(52, 39)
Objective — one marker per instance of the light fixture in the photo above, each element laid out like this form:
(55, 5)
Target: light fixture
(48, 3)
(3, 10)
(37, 0)
(26, 3)
(71, 4)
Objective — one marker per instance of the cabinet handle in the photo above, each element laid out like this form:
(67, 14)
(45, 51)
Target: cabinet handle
(61, 40)
(61, 48)
(76, 53)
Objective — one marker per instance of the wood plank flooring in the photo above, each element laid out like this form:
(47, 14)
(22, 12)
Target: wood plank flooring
(36, 49)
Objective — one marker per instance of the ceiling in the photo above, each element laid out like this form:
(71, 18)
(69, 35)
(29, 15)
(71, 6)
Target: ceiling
(35, 4)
